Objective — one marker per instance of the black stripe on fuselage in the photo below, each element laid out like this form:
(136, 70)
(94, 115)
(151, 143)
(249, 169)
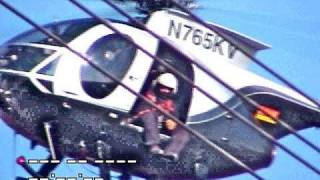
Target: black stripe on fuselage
(235, 101)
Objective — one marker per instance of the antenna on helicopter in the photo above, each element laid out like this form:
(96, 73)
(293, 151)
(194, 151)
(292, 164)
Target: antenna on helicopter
(47, 128)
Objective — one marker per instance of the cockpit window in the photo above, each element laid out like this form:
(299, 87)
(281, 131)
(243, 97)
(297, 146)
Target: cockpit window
(66, 30)
(50, 68)
(113, 54)
(22, 57)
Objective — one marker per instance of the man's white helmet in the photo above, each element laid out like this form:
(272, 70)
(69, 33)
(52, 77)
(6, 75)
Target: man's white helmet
(168, 80)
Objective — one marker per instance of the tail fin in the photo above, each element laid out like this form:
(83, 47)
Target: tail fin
(249, 44)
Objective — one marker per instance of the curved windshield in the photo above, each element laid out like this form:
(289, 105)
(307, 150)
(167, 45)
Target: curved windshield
(113, 54)
(16, 55)
(66, 30)
(22, 57)
(50, 68)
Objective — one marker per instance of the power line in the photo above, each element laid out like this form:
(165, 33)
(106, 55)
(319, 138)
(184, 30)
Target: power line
(250, 101)
(253, 58)
(257, 61)
(208, 95)
(193, 132)
(268, 136)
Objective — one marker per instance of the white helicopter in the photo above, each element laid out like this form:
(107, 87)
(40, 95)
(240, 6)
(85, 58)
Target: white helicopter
(43, 82)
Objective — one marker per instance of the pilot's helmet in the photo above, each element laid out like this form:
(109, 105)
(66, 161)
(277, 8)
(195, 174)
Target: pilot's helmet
(168, 83)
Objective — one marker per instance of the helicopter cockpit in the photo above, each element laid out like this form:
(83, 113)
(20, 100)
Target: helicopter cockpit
(66, 30)
(23, 56)
(53, 69)
(26, 51)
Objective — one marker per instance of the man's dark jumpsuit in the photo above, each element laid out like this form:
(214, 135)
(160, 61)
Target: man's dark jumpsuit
(150, 119)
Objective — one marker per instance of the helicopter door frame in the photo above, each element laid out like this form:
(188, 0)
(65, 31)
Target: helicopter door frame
(68, 84)
(184, 94)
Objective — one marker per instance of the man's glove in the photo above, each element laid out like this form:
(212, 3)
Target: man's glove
(171, 124)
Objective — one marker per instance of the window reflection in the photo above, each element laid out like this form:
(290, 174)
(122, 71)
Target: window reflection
(23, 57)
(113, 54)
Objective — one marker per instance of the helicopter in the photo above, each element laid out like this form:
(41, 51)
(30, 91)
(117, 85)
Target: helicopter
(45, 90)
